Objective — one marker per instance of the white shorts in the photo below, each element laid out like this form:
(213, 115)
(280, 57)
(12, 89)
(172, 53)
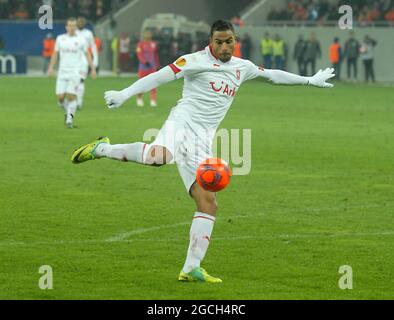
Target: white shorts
(187, 147)
(67, 85)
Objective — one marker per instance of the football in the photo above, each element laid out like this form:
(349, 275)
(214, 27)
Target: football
(213, 174)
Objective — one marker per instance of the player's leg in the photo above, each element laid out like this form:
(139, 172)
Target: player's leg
(153, 98)
(140, 100)
(61, 87)
(200, 236)
(204, 217)
(80, 94)
(71, 108)
(157, 153)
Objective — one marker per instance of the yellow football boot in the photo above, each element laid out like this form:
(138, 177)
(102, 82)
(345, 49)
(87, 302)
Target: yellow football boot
(87, 152)
(198, 274)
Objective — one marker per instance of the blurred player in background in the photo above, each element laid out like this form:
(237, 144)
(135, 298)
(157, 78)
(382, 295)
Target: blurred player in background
(91, 43)
(148, 57)
(212, 78)
(71, 50)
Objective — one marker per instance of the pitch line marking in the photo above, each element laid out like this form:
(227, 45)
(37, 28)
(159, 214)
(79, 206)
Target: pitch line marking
(122, 237)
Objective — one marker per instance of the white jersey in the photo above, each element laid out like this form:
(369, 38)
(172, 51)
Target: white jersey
(210, 86)
(72, 50)
(91, 43)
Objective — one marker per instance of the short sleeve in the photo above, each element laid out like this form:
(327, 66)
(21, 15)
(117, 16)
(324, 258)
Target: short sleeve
(253, 71)
(185, 65)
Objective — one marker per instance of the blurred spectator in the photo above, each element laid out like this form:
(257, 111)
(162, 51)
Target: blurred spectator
(21, 13)
(364, 11)
(110, 36)
(312, 52)
(390, 14)
(246, 46)
(279, 49)
(148, 57)
(134, 40)
(115, 54)
(335, 55)
(124, 52)
(237, 49)
(351, 53)
(367, 56)
(28, 9)
(266, 51)
(237, 21)
(48, 45)
(299, 54)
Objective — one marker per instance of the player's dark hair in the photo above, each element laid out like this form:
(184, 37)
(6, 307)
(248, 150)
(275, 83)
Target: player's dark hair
(221, 25)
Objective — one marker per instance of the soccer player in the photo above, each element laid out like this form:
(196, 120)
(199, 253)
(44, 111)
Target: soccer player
(148, 58)
(212, 78)
(91, 43)
(70, 50)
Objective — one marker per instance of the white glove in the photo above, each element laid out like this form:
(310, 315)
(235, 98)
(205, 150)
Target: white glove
(114, 99)
(320, 78)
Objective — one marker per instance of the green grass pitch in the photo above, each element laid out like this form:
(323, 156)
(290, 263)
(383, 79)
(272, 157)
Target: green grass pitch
(320, 195)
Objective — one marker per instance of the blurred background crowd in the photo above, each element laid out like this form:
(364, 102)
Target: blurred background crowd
(364, 11)
(28, 9)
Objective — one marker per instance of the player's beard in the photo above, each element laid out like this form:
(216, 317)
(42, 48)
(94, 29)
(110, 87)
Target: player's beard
(225, 57)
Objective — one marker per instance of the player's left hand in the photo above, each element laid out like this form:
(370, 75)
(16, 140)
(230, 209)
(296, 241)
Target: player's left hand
(114, 99)
(320, 78)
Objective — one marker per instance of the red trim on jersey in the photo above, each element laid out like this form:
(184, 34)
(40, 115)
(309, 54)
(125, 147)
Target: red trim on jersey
(204, 218)
(174, 68)
(212, 53)
(143, 150)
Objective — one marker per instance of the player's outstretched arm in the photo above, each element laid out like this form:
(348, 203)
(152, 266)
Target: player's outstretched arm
(115, 99)
(282, 77)
(52, 63)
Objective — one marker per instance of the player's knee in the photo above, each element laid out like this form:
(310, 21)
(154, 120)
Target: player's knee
(61, 98)
(158, 156)
(71, 97)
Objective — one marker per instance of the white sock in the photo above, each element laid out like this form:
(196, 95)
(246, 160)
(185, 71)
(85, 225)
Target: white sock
(200, 235)
(71, 110)
(80, 94)
(125, 152)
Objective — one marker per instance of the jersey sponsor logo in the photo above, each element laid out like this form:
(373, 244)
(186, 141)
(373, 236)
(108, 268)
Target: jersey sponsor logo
(238, 74)
(216, 65)
(180, 62)
(223, 88)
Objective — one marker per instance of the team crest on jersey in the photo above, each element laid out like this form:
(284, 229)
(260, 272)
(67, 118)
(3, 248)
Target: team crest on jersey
(180, 62)
(238, 73)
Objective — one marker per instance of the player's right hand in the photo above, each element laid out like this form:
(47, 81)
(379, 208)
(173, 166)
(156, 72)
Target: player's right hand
(114, 99)
(50, 72)
(320, 78)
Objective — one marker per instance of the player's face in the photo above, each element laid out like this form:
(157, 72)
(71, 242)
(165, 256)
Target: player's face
(223, 43)
(71, 27)
(81, 23)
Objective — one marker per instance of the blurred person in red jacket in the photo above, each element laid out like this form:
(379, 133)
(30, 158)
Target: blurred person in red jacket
(148, 57)
(48, 46)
